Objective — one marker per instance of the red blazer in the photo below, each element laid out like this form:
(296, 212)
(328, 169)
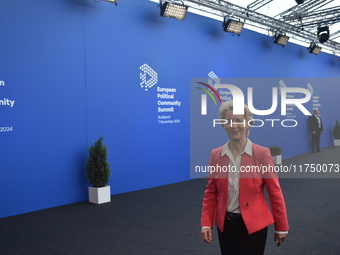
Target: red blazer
(253, 206)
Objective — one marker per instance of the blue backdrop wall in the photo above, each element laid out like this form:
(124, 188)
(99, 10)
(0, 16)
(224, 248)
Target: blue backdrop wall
(71, 70)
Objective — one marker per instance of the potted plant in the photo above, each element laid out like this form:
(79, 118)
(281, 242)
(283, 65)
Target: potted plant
(276, 154)
(98, 173)
(336, 133)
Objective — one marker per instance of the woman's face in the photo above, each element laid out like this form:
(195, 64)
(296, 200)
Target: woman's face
(237, 126)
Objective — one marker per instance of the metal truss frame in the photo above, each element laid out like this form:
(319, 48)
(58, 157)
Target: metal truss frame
(307, 6)
(258, 4)
(323, 17)
(273, 25)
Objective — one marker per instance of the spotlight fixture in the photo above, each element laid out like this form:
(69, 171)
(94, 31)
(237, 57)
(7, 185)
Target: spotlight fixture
(111, 1)
(314, 48)
(299, 1)
(281, 39)
(174, 10)
(232, 26)
(323, 34)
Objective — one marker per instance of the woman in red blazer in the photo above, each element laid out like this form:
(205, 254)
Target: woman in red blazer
(234, 197)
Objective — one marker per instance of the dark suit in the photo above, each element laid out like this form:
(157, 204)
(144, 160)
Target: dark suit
(315, 127)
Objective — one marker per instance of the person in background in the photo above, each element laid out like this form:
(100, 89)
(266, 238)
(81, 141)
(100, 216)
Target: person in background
(235, 201)
(316, 129)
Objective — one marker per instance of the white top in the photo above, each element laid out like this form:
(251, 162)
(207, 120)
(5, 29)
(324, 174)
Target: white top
(234, 177)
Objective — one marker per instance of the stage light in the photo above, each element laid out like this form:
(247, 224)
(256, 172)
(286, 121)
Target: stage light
(314, 48)
(299, 1)
(232, 26)
(281, 39)
(174, 10)
(323, 34)
(111, 1)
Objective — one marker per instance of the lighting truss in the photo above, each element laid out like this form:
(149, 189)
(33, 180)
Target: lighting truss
(308, 6)
(258, 4)
(222, 8)
(174, 10)
(335, 35)
(327, 16)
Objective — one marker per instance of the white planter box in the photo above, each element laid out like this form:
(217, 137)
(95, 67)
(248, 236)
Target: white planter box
(336, 142)
(99, 195)
(277, 159)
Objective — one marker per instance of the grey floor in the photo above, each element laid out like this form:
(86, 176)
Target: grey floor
(165, 220)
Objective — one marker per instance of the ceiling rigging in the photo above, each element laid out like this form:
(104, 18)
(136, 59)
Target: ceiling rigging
(306, 22)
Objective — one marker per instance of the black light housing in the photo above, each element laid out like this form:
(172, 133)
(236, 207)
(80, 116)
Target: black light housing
(112, 1)
(174, 10)
(232, 26)
(314, 48)
(299, 1)
(281, 39)
(323, 34)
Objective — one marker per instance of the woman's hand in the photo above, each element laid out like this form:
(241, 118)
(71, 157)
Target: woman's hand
(206, 234)
(279, 238)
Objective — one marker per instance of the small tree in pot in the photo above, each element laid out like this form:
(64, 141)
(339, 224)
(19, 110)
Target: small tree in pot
(276, 154)
(336, 133)
(98, 173)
